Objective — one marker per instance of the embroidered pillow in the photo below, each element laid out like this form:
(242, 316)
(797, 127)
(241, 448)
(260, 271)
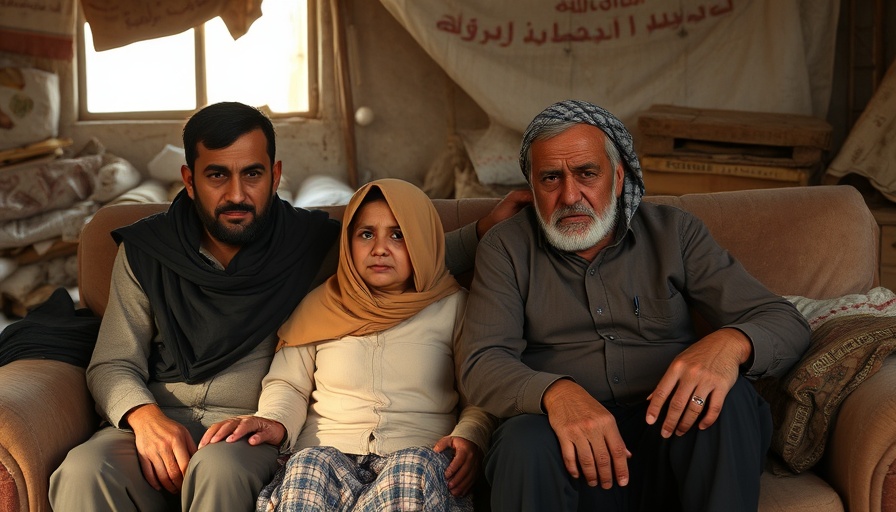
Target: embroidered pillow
(851, 337)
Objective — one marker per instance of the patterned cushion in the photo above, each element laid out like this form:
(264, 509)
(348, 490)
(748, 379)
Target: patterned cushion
(850, 340)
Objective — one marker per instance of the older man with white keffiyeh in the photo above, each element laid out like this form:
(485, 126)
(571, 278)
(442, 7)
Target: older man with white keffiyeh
(578, 334)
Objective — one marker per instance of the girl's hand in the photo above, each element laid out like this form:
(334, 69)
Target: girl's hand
(464, 468)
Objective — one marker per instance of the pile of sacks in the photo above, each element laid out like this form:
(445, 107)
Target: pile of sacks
(47, 193)
(43, 206)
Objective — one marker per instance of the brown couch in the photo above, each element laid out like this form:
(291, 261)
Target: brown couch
(818, 242)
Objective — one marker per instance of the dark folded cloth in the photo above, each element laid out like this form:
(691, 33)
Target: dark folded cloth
(53, 330)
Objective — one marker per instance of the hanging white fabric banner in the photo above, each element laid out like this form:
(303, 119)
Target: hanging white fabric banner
(515, 57)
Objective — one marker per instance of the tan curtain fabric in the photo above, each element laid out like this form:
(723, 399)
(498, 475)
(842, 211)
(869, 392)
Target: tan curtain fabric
(117, 23)
(870, 148)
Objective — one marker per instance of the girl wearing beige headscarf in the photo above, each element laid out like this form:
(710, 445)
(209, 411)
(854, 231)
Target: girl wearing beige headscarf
(363, 381)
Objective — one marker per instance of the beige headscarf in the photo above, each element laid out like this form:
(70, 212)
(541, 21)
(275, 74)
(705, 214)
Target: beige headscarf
(344, 305)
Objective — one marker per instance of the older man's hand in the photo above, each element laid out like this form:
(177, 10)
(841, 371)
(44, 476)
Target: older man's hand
(262, 431)
(588, 434)
(698, 380)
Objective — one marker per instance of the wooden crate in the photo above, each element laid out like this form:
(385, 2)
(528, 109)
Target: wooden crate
(676, 184)
(674, 176)
(729, 136)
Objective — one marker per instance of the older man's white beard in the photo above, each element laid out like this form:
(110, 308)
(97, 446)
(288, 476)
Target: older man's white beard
(578, 237)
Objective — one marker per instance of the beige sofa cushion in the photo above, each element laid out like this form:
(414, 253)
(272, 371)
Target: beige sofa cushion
(783, 236)
(806, 492)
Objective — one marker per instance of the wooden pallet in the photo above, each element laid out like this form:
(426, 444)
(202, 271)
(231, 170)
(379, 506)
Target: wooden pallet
(729, 136)
(676, 184)
(673, 176)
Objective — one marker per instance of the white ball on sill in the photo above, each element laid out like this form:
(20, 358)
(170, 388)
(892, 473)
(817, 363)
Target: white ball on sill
(364, 116)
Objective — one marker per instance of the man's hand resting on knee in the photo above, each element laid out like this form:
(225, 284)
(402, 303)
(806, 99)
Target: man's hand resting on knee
(698, 380)
(588, 435)
(164, 447)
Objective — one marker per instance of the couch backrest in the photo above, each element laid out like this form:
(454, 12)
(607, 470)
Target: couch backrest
(819, 242)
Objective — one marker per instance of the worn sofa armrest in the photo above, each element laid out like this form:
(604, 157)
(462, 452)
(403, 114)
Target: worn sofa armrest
(45, 410)
(860, 458)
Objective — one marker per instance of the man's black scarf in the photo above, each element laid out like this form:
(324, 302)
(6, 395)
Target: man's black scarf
(211, 318)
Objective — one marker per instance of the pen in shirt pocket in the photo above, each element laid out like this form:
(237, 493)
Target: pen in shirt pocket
(637, 304)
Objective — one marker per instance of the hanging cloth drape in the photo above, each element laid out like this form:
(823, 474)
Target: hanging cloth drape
(117, 23)
(870, 148)
(38, 28)
(515, 57)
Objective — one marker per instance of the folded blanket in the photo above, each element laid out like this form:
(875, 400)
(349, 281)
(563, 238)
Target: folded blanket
(54, 330)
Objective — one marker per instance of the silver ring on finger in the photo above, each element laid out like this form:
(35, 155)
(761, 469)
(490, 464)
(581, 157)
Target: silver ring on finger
(698, 400)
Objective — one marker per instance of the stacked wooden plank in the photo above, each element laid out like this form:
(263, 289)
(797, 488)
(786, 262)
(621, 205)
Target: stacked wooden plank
(684, 150)
(39, 151)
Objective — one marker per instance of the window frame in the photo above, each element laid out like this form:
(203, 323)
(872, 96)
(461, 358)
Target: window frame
(201, 92)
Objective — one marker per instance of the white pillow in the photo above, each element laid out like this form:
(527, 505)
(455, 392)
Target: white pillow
(879, 301)
(319, 190)
(115, 177)
(494, 153)
(165, 166)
